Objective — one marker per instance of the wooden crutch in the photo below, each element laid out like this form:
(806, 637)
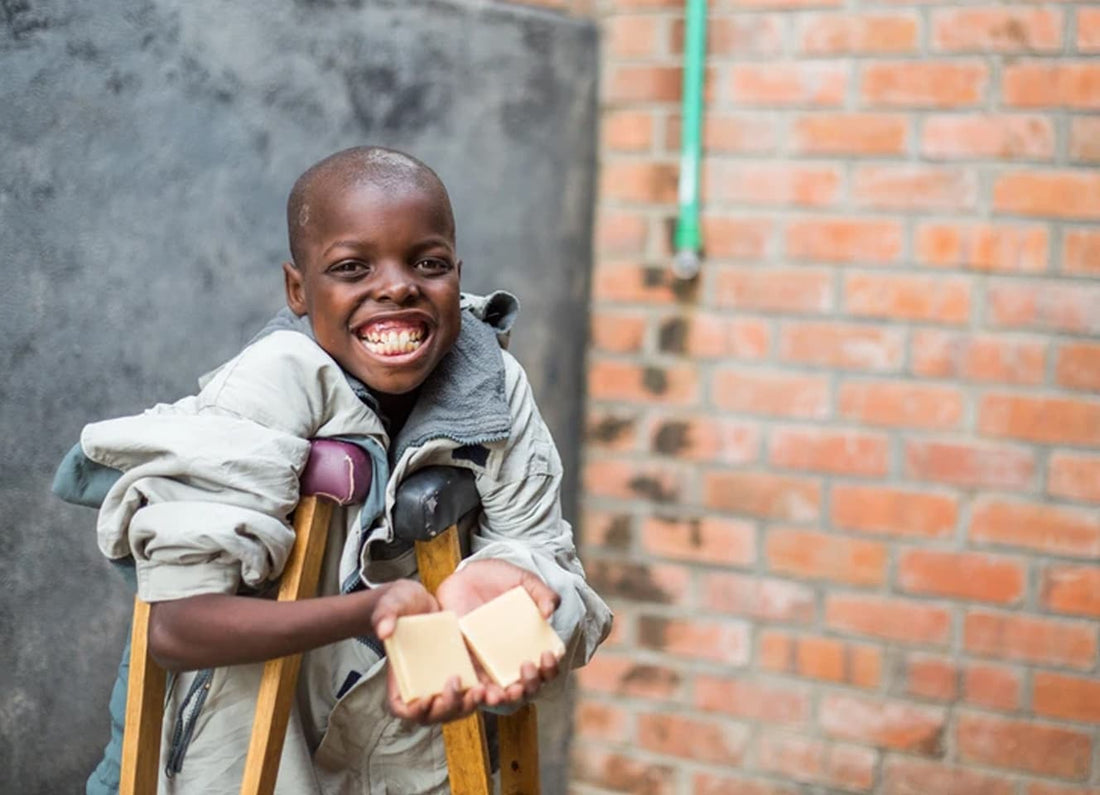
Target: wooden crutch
(336, 473)
(431, 504)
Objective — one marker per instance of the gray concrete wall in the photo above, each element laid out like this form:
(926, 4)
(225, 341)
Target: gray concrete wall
(146, 149)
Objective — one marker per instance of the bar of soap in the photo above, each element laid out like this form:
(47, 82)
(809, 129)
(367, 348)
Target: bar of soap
(508, 631)
(426, 651)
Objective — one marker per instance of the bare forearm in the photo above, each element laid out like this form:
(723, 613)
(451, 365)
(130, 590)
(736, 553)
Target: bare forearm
(216, 629)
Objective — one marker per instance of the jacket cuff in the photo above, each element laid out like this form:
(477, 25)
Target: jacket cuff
(159, 582)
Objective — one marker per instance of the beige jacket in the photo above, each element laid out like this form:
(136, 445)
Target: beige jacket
(202, 506)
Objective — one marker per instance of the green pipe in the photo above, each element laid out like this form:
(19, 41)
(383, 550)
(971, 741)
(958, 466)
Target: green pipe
(687, 241)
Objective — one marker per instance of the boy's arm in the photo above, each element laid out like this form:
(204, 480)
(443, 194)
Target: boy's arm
(522, 523)
(210, 630)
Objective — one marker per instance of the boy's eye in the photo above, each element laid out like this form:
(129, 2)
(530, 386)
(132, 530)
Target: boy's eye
(433, 265)
(347, 267)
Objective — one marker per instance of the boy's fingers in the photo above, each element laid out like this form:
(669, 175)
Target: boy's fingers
(386, 626)
(541, 594)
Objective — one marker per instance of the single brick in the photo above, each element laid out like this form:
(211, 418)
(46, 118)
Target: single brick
(1030, 639)
(1051, 529)
(842, 346)
(844, 240)
(1052, 84)
(1074, 476)
(1022, 745)
(877, 509)
(1072, 589)
(1007, 30)
(760, 598)
(904, 297)
(726, 642)
(1068, 697)
(993, 687)
(928, 677)
(1084, 139)
(1082, 248)
(781, 84)
(914, 187)
(639, 181)
(688, 738)
(826, 556)
(810, 760)
(924, 84)
(1077, 366)
(1040, 419)
(753, 288)
(763, 494)
(1052, 194)
(725, 542)
(988, 136)
(884, 724)
(987, 359)
(614, 380)
(862, 34)
(900, 620)
(908, 776)
(771, 393)
(617, 332)
(851, 134)
(962, 575)
(753, 699)
(902, 404)
(838, 452)
(1044, 305)
(735, 238)
(971, 465)
(771, 184)
(627, 131)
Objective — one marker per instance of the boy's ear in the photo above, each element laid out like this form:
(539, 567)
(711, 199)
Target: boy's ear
(295, 289)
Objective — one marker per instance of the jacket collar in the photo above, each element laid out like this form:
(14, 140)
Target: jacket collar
(464, 398)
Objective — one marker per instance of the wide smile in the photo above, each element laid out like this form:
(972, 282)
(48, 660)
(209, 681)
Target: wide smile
(393, 339)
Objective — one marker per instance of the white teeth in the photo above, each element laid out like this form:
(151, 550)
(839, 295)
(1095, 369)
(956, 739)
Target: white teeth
(392, 343)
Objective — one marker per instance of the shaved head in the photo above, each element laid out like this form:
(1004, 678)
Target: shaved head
(358, 167)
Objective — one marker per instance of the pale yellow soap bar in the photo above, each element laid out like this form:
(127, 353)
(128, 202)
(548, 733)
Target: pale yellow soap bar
(507, 632)
(426, 651)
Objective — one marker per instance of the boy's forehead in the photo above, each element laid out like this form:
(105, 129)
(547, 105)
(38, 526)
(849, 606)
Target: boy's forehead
(339, 199)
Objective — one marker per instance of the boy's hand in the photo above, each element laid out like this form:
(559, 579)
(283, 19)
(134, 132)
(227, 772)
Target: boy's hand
(481, 581)
(396, 599)
(450, 705)
(408, 597)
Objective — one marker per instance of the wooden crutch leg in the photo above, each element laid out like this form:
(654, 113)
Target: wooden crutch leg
(463, 739)
(518, 736)
(140, 761)
(430, 504)
(337, 473)
(280, 676)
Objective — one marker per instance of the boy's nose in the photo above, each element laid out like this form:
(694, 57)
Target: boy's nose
(394, 283)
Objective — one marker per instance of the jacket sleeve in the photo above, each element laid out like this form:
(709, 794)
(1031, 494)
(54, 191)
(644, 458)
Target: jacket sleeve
(208, 482)
(521, 521)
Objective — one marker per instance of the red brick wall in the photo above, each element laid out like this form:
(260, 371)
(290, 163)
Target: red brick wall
(844, 492)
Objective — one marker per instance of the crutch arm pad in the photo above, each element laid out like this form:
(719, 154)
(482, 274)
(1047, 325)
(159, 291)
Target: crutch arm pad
(338, 471)
(432, 499)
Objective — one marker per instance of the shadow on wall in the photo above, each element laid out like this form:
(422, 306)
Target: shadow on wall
(148, 149)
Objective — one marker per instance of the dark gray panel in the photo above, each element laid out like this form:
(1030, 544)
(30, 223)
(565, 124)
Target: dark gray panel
(145, 154)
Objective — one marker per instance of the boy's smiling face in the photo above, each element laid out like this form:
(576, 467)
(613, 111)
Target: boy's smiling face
(378, 276)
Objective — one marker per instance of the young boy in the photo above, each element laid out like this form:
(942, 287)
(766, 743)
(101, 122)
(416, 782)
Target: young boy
(380, 348)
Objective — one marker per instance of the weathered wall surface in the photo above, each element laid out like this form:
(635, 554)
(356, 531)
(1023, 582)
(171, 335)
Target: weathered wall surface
(844, 491)
(146, 150)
